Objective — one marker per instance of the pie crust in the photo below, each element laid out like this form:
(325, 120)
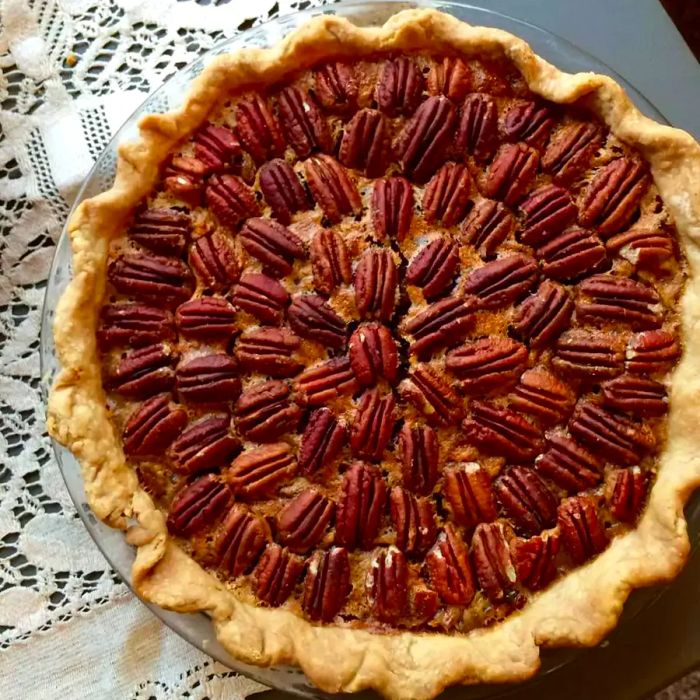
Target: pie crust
(578, 609)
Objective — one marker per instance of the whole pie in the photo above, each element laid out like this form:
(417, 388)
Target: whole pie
(383, 347)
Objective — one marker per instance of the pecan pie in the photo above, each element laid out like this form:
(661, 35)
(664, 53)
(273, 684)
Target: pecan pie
(372, 347)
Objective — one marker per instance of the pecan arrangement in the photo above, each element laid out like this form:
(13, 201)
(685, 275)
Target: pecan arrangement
(389, 344)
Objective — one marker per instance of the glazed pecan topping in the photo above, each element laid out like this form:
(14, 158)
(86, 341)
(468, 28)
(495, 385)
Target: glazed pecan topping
(501, 431)
(204, 444)
(164, 231)
(589, 354)
(572, 254)
(332, 188)
(392, 207)
(167, 281)
(153, 426)
(303, 123)
(372, 425)
(282, 190)
(569, 465)
(373, 354)
(613, 196)
(644, 249)
(628, 493)
(449, 568)
(360, 508)
(208, 379)
(387, 585)
(197, 505)
(231, 199)
(326, 381)
(492, 562)
(487, 225)
(365, 143)
(400, 86)
(581, 531)
(535, 560)
(329, 260)
(451, 77)
(420, 453)
(610, 299)
(376, 284)
(276, 575)
(184, 178)
(264, 412)
(216, 146)
(470, 496)
(336, 87)
(302, 522)
(502, 282)
(261, 470)
(477, 133)
(511, 173)
(544, 315)
(275, 246)
(570, 151)
(542, 395)
(262, 296)
(610, 434)
(488, 365)
(526, 499)
(242, 538)
(434, 267)
(321, 442)
(257, 129)
(651, 351)
(414, 522)
(636, 395)
(143, 372)
(432, 396)
(214, 259)
(422, 144)
(447, 195)
(271, 351)
(206, 318)
(547, 212)
(528, 122)
(312, 317)
(133, 325)
(327, 584)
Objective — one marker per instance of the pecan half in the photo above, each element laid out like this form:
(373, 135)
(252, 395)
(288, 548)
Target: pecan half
(414, 522)
(424, 141)
(434, 267)
(153, 426)
(487, 225)
(302, 122)
(331, 187)
(326, 381)
(372, 425)
(312, 317)
(399, 87)
(488, 365)
(470, 496)
(373, 354)
(365, 143)
(544, 315)
(420, 453)
(274, 245)
(637, 395)
(206, 318)
(492, 563)
(360, 508)
(214, 259)
(376, 282)
(204, 444)
(446, 196)
(164, 231)
(547, 212)
(282, 190)
(231, 199)
(542, 395)
(387, 585)
(582, 533)
(302, 522)
(611, 299)
(477, 133)
(327, 584)
(651, 351)
(143, 372)
(610, 434)
(511, 173)
(259, 471)
(572, 254)
(167, 281)
(569, 465)
(242, 539)
(276, 575)
(216, 146)
(392, 207)
(644, 249)
(262, 296)
(501, 431)
(451, 77)
(270, 351)
(183, 177)
(502, 282)
(433, 396)
(589, 355)
(265, 412)
(449, 568)
(336, 87)
(613, 196)
(321, 442)
(535, 560)
(258, 129)
(526, 499)
(528, 122)
(628, 493)
(329, 260)
(133, 325)
(208, 379)
(197, 505)
(570, 151)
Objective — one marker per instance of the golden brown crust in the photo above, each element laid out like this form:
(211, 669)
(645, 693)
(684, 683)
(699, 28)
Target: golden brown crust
(580, 608)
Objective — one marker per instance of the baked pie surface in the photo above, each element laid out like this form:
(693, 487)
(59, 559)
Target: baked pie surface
(382, 347)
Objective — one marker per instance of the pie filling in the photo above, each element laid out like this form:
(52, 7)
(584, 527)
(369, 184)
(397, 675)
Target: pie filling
(389, 343)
